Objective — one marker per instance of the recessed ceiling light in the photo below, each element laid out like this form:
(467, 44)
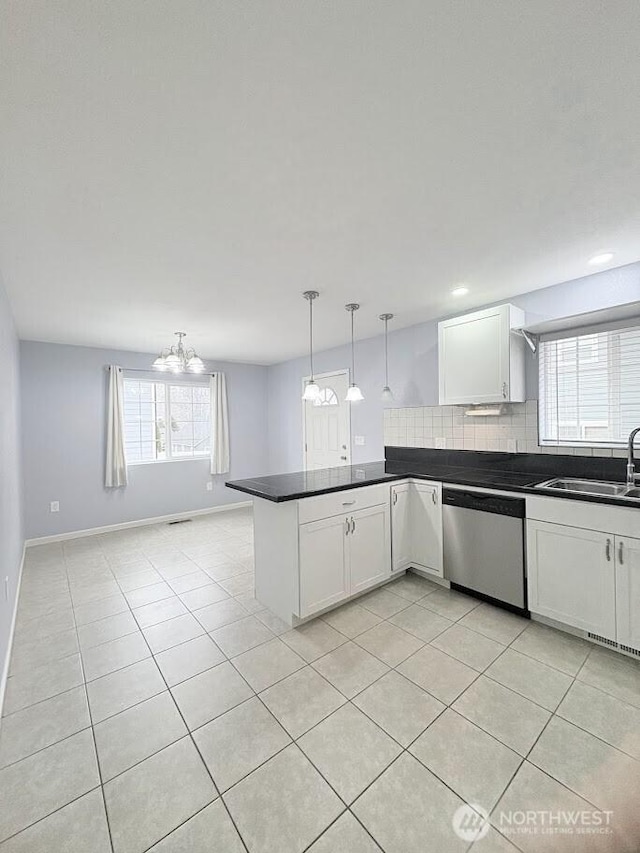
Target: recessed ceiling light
(460, 291)
(602, 258)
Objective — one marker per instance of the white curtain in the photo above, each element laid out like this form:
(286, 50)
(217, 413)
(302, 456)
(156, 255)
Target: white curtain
(219, 424)
(116, 464)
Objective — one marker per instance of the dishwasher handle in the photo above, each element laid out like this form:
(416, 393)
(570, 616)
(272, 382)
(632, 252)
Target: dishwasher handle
(482, 502)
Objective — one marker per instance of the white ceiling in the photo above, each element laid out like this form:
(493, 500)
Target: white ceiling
(196, 165)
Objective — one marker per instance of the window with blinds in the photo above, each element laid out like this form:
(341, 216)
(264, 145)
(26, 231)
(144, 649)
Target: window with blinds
(165, 421)
(589, 387)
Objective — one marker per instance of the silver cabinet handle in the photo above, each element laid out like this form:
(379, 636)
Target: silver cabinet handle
(620, 552)
(344, 458)
(434, 497)
(347, 527)
(395, 498)
(608, 550)
(348, 503)
(504, 390)
(353, 524)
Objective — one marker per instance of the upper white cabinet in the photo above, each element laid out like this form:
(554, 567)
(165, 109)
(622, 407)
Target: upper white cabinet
(481, 360)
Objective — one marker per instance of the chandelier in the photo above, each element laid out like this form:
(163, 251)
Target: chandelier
(179, 359)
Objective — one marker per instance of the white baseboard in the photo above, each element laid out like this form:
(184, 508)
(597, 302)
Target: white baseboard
(143, 522)
(12, 630)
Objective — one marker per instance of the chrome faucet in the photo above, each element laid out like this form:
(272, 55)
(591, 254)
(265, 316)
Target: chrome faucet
(632, 477)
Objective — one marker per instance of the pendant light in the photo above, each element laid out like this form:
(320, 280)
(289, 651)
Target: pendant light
(311, 389)
(354, 394)
(387, 393)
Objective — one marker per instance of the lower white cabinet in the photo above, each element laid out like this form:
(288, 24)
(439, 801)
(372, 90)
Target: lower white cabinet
(401, 501)
(368, 548)
(627, 552)
(323, 564)
(572, 576)
(343, 555)
(416, 527)
(426, 528)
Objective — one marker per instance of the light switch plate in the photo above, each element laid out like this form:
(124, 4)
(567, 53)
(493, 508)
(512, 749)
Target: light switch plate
(359, 440)
(209, 486)
(54, 506)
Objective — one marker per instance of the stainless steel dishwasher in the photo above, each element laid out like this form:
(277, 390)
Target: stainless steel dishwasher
(484, 546)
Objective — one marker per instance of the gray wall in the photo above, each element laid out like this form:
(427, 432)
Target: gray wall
(11, 536)
(413, 365)
(64, 422)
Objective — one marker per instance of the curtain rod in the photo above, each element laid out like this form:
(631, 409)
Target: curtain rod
(158, 372)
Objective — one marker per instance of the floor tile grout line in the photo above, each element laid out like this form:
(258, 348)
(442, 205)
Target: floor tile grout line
(195, 745)
(93, 738)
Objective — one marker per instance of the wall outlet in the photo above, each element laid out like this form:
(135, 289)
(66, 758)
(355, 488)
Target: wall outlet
(441, 443)
(209, 486)
(512, 446)
(359, 440)
(54, 506)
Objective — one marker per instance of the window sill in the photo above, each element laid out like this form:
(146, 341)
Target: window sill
(204, 458)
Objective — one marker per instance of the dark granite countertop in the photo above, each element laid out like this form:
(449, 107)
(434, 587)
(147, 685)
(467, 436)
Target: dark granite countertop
(464, 468)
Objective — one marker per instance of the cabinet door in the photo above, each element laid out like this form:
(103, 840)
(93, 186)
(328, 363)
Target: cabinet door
(323, 564)
(369, 546)
(401, 526)
(571, 576)
(628, 591)
(426, 527)
(473, 353)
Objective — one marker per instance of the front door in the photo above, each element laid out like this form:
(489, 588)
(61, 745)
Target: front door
(327, 424)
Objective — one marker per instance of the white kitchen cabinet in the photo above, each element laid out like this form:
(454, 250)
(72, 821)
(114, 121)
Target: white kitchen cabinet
(416, 527)
(323, 564)
(401, 526)
(572, 576)
(341, 556)
(480, 358)
(426, 527)
(627, 551)
(368, 548)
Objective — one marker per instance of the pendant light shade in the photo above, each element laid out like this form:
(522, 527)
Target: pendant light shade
(311, 389)
(354, 394)
(387, 393)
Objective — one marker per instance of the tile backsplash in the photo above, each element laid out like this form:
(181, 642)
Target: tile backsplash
(447, 427)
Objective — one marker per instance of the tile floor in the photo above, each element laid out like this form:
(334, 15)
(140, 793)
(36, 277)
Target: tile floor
(153, 704)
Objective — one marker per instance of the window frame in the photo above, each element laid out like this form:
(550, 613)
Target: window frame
(612, 329)
(167, 382)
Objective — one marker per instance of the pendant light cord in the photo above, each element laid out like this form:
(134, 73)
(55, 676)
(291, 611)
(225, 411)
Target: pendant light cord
(353, 358)
(311, 337)
(386, 354)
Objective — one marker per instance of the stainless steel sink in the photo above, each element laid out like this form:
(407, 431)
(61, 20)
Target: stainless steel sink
(585, 487)
(592, 487)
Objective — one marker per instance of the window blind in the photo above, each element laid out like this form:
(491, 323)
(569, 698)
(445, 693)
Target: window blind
(589, 387)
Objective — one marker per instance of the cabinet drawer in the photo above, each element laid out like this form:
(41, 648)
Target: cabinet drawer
(339, 503)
